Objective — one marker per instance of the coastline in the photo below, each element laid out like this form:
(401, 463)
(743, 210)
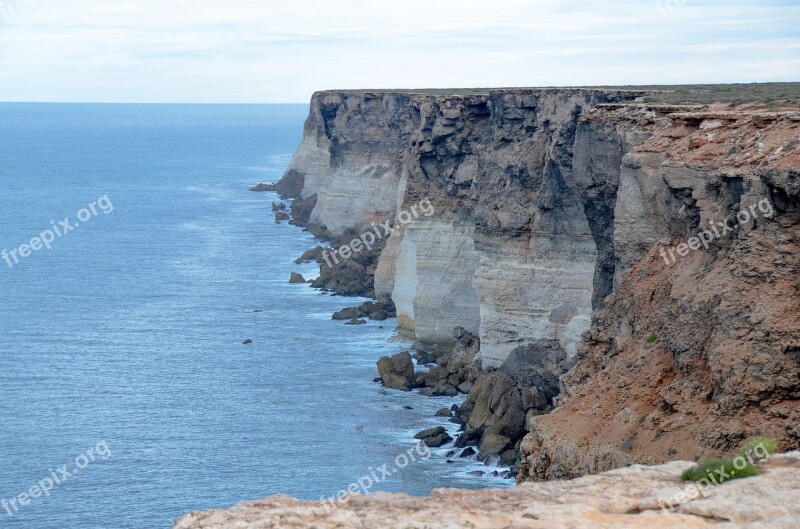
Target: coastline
(535, 287)
(358, 273)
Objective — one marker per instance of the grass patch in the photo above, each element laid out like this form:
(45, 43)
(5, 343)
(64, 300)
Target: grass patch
(720, 470)
(760, 446)
(652, 338)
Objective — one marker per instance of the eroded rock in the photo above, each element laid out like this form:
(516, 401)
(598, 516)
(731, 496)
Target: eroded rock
(397, 372)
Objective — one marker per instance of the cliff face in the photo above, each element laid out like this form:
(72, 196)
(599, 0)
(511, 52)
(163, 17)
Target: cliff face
(512, 251)
(351, 157)
(558, 218)
(696, 352)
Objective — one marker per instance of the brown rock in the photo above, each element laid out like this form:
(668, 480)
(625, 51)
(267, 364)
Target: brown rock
(397, 372)
(434, 437)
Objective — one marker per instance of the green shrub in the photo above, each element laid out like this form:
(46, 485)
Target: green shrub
(720, 470)
(652, 338)
(760, 447)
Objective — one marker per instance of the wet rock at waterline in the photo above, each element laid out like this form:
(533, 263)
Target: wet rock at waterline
(434, 437)
(314, 254)
(397, 372)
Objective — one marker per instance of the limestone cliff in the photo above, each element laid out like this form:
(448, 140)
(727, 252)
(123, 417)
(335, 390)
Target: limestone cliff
(571, 220)
(512, 250)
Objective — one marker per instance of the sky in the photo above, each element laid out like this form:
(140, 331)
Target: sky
(251, 51)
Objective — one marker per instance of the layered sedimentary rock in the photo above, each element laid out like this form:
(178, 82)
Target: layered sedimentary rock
(585, 221)
(634, 497)
(698, 351)
(512, 250)
(351, 156)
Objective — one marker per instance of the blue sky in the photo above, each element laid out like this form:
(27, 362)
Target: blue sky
(250, 51)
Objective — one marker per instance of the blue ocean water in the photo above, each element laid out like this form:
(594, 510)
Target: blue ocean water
(125, 337)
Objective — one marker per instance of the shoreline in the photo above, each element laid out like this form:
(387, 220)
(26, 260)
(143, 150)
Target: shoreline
(452, 444)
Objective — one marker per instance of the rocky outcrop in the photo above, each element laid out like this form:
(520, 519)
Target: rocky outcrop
(634, 497)
(290, 186)
(397, 372)
(354, 276)
(314, 254)
(455, 371)
(351, 157)
(378, 311)
(502, 402)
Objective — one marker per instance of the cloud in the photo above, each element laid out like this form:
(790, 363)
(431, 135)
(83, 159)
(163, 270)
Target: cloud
(269, 51)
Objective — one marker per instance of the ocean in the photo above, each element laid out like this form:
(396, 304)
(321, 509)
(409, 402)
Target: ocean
(128, 396)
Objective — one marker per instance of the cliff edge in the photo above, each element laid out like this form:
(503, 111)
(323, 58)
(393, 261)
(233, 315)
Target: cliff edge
(637, 496)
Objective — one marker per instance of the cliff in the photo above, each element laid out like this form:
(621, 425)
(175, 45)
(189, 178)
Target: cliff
(694, 353)
(512, 249)
(581, 228)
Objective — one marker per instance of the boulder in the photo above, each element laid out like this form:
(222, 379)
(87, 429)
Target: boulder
(281, 216)
(434, 437)
(444, 412)
(296, 278)
(509, 457)
(380, 310)
(356, 321)
(492, 445)
(349, 313)
(314, 254)
(380, 315)
(397, 372)
(301, 210)
(538, 365)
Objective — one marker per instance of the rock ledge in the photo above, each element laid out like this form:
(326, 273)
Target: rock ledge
(621, 498)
